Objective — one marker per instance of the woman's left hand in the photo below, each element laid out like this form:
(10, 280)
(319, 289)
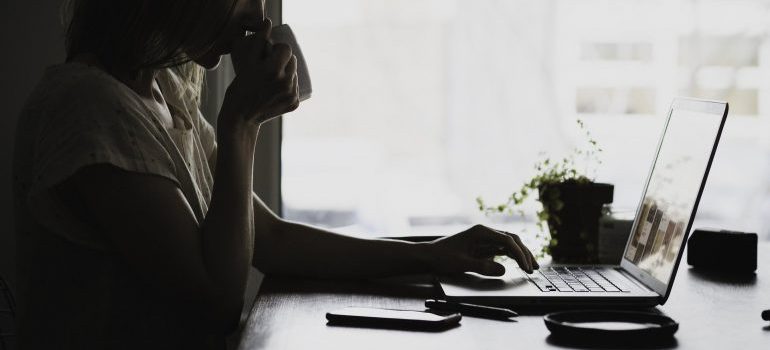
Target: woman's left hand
(266, 83)
(473, 250)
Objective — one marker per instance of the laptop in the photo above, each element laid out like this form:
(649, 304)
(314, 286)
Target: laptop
(655, 246)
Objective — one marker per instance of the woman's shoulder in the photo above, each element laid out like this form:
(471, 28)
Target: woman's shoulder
(82, 97)
(79, 116)
(77, 86)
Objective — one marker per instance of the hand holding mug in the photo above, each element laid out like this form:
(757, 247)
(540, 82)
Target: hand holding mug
(265, 85)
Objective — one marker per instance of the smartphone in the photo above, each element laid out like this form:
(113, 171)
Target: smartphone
(391, 318)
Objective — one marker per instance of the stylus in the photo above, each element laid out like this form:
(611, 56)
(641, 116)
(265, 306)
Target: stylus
(766, 315)
(471, 309)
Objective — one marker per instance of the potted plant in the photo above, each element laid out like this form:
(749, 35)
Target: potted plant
(572, 204)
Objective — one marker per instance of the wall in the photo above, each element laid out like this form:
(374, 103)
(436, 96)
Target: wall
(31, 40)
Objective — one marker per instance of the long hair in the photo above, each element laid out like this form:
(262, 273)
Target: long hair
(131, 35)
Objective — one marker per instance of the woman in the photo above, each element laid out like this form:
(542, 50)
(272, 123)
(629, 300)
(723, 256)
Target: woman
(137, 221)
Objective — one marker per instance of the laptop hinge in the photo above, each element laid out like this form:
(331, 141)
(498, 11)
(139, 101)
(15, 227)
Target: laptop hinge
(636, 281)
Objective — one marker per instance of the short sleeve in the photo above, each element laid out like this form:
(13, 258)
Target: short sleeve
(99, 131)
(96, 125)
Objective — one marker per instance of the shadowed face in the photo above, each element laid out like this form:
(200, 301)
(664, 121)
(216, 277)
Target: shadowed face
(246, 14)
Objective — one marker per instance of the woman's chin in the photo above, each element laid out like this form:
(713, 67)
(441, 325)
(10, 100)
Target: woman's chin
(209, 62)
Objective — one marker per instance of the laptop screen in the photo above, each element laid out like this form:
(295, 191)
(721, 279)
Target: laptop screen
(674, 186)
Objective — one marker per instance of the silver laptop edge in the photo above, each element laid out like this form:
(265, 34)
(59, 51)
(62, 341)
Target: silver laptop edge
(707, 106)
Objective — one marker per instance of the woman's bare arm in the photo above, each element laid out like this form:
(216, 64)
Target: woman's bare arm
(288, 248)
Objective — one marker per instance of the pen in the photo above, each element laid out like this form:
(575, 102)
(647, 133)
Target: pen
(471, 309)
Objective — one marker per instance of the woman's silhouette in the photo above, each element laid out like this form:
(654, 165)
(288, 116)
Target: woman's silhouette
(136, 220)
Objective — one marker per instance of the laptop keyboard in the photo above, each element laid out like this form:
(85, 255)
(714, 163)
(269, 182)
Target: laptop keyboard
(575, 279)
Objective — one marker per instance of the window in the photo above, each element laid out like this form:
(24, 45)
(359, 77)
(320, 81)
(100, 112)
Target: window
(420, 106)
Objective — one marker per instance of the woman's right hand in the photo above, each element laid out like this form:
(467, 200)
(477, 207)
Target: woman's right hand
(265, 85)
(474, 250)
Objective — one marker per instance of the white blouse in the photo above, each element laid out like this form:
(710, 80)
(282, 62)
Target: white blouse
(78, 116)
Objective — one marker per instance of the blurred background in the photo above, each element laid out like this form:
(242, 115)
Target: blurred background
(420, 106)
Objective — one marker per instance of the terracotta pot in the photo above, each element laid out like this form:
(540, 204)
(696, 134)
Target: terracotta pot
(574, 211)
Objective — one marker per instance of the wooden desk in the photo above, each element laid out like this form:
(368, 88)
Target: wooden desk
(714, 313)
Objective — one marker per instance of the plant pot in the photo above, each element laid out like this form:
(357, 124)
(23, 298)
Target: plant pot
(574, 209)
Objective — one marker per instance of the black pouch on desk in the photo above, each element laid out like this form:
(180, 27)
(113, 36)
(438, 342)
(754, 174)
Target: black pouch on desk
(600, 328)
(722, 250)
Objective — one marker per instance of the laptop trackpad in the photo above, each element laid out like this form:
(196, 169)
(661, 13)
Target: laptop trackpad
(472, 284)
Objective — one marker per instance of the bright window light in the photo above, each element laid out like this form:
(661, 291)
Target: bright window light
(420, 106)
